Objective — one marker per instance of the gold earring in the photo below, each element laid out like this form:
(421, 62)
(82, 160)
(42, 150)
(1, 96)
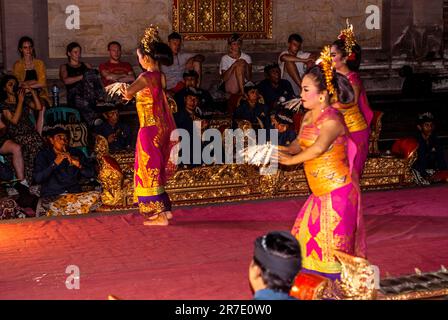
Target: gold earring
(321, 99)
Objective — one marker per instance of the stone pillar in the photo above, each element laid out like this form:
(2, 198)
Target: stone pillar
(17, 20)
(1, 36)
(445, 28)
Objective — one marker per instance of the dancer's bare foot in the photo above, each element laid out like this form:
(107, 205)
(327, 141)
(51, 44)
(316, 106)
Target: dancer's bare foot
(161, 220)
(169, 215)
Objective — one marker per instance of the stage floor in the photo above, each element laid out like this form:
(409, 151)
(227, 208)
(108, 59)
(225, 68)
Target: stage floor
(206, 251)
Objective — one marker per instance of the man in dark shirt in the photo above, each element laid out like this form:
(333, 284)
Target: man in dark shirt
(283, 123)
(252, 110)
(273, 87)
(58, 170)
(185, 119)
(191, 79)
(118, 134)
(430, 157)
(275, 265)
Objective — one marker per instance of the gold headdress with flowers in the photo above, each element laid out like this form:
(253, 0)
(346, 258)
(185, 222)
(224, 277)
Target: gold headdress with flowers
(348, 36)
(151, 35)
(326, 63)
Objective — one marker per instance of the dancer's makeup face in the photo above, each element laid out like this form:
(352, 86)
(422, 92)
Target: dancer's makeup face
(310, 93)
(338, 60)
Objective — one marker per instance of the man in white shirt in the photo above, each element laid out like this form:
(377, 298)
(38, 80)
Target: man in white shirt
(293, 62)
(235, 67)
(182, 62)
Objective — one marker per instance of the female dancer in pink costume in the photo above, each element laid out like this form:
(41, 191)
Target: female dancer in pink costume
(330, 219)
(152, 152)
(346, 55)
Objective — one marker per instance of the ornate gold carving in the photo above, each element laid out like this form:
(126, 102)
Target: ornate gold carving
(222, 15)
(187, 16)
(115, 187)
(205, 16)
(239, 15)
(357, 278)
(416, 295)
(375, 133)
(256, 15)
(237, 182)
(230, 183)
(217, 19)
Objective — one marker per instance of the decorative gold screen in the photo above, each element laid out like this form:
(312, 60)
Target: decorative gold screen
(217, 19)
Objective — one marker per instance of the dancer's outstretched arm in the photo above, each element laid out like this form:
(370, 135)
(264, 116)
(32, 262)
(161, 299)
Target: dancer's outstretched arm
(139, 84)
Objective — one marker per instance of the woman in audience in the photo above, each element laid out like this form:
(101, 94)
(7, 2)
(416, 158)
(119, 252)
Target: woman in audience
(31, 72)
(83, 84)
(330, 219)
(15, 113)
(235, 67)
(346, 55)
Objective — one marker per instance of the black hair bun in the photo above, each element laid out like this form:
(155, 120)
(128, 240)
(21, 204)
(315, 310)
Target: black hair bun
(163, 53)
(344, 88)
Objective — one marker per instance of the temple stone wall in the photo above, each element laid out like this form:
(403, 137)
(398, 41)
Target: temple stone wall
(105, 21)
(102, 21)
(1, 39)
(13, 15)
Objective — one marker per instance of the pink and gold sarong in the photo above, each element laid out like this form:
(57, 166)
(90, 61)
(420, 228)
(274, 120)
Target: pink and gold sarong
(358, 117)
(331, 218)
(152, 153)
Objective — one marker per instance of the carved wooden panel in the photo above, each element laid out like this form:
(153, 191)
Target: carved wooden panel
(217, 19)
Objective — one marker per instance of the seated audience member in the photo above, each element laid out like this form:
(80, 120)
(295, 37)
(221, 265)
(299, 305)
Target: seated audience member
(275, 265)
(252, 110)
(273, 87)
(191, 81)
(235, 67)
(185, 119)
(58, 170)
(182, 62)
(30, 71)
(9, 147)
(293, 62)
(83, 83)
(283, 122)
(15, 113)
(117, 133)
(430, 157)
(116, 70)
